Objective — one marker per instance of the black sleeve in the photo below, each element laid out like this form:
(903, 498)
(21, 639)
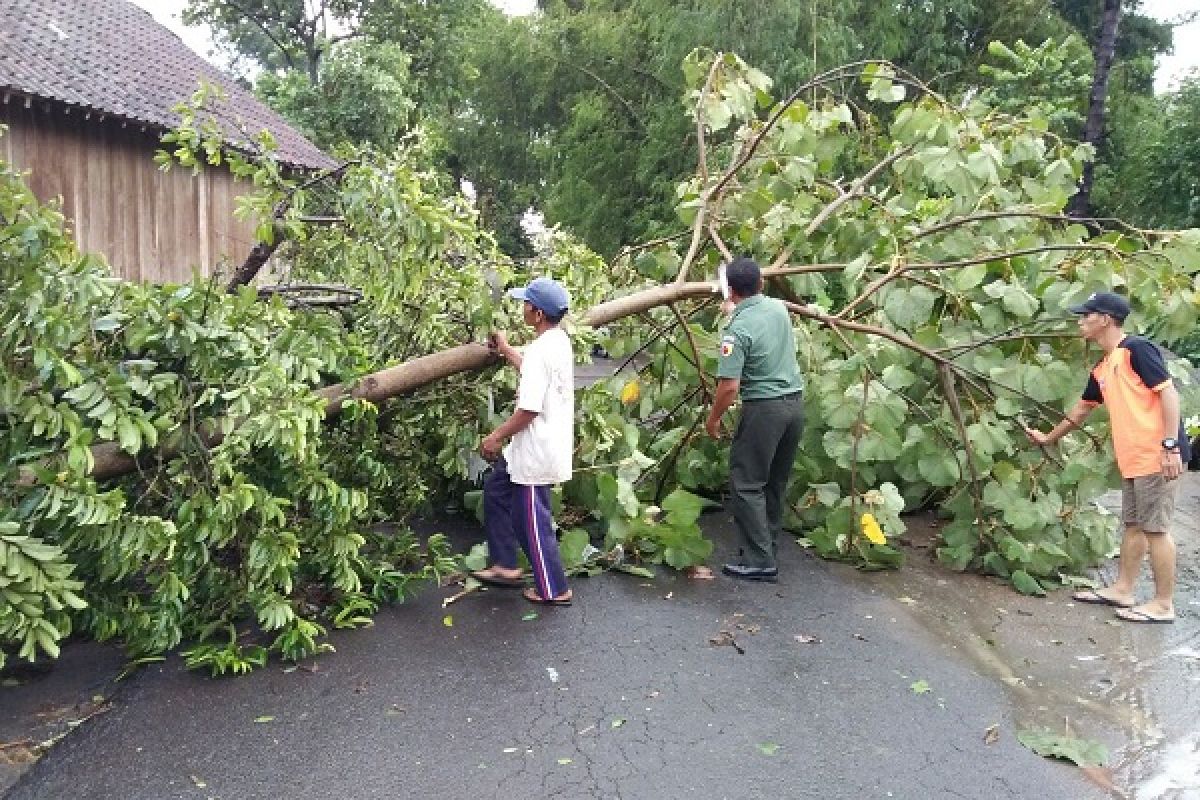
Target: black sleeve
(1146, 360)
(1091, 394)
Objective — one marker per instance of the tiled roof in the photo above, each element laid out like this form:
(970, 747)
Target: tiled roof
(111, 57)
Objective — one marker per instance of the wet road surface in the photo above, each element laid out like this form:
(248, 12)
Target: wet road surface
(830, 684)
(623, 695)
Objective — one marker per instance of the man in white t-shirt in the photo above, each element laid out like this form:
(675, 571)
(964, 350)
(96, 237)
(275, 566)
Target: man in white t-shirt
(516, 495)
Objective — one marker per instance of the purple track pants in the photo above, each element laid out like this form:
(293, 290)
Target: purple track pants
(515, 513)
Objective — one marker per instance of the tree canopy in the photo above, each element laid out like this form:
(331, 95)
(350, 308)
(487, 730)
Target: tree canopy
(575, 109)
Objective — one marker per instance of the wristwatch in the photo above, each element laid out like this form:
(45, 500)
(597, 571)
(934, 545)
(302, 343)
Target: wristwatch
(1170, 443)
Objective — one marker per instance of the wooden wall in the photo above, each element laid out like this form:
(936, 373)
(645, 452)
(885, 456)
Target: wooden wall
(150, 225)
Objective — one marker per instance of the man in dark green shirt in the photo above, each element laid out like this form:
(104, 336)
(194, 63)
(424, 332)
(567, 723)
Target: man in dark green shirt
(758, 360)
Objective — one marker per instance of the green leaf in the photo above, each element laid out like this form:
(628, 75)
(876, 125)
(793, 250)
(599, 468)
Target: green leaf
(909, 308)
(683, 507)
(1026, 583)
(1081, 752)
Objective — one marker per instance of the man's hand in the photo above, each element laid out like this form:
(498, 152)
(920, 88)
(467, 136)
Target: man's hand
(1172, 464)
(491, 447)
(498, 344)
(498, 341)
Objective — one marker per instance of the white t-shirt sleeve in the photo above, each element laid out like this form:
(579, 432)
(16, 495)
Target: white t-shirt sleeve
(535, 381)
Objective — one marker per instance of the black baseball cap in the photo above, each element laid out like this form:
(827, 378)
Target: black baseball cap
(1108, 303)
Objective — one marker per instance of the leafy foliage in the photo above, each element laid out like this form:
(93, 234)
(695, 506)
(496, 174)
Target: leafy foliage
(364, 97)
(1155, 182)
(575, 110)
(1049, 81)
(919, 243)
(925, 244)
(264, 514)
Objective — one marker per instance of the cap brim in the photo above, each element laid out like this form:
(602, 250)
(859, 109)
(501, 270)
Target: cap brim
(517, 294)
(1081, 309)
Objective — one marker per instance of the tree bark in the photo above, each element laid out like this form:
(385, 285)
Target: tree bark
(1105, 51)
(260, 254)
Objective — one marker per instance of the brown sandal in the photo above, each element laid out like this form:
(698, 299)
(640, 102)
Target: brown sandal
(501, 581)
(531, 594)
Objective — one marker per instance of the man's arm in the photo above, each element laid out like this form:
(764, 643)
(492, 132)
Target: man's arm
(727, 392)
(1074, 419)
(1172, 462)
(494, 441)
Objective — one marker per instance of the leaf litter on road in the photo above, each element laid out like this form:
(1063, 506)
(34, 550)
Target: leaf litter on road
(1080, 752)
(725, 638)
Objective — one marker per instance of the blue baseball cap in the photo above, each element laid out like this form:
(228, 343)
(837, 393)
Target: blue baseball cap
(545, 294)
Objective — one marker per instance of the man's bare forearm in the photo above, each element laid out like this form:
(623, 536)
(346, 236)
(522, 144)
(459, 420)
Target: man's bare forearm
(519, 421)
(726, 395)
(1170, 411)
(1074, 419)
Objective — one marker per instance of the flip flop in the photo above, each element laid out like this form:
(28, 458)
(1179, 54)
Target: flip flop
(497, 580)
(1131, 615)
(1092, 597)
(532, 596)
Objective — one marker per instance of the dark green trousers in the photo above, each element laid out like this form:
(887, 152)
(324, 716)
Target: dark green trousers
(760, 464)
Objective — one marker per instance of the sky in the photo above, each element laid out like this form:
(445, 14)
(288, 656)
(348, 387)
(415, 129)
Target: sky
(1170, 68)
(1187, 41)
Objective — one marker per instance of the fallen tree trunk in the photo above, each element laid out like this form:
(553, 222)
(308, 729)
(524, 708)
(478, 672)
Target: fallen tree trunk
(110, 461)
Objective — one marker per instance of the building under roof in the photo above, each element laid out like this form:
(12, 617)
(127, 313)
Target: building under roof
(87, 87)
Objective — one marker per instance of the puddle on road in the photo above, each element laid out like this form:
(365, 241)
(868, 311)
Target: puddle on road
(1179, 774)
(1069, 666)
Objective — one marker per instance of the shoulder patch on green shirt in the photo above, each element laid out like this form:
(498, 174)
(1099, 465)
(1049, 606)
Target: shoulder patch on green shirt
(727, 345)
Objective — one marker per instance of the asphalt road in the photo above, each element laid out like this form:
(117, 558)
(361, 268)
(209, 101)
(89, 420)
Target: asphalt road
(623, 695)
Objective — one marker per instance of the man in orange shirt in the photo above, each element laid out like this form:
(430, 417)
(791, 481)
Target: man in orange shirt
(1143, 409)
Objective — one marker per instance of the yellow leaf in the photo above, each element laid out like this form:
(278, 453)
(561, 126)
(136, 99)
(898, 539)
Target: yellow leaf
(448, 621)
(872, 530)
(631, 392)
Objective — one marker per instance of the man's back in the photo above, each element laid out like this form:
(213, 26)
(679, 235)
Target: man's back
(759, 348)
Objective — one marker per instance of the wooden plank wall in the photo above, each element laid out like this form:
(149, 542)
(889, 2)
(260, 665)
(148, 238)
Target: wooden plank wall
(150, 225)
